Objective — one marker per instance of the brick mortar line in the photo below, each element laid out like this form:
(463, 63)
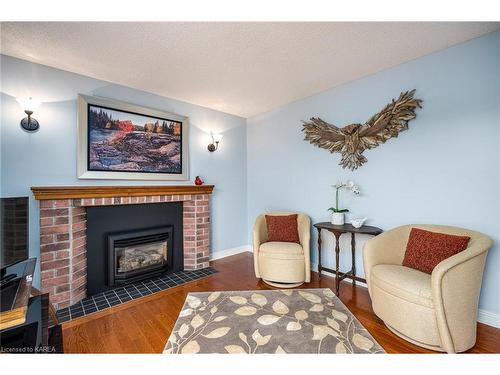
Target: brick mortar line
(70, 220)
(195, 232)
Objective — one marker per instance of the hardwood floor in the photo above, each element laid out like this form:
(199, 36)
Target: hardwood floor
(143, 325)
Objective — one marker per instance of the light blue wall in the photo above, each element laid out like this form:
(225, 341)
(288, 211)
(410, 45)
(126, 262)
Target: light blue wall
(444, 170)
(48, 157)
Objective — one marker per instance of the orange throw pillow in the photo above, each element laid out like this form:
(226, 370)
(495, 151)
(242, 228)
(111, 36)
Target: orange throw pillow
(425, 250)
(282, 228)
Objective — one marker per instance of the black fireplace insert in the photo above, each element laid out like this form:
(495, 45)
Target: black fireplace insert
(147, 240)
(134, 255)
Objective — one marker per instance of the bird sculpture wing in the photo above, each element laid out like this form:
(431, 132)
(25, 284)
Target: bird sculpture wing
(389, 122)
(353, 139)
(323, 134)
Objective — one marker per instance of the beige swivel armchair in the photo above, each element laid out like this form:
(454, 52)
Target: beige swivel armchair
(437, 311)
(282, 264)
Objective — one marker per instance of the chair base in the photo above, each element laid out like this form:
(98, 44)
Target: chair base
(282, 285)
(414, 342)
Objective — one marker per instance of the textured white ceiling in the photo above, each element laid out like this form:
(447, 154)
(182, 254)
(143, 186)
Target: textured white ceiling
(240, 68)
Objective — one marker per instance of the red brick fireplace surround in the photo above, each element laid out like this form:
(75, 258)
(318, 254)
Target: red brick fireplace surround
(63, 255)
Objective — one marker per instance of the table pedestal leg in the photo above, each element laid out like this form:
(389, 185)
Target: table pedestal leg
(337, 254)
(319, 252)
(353, 250)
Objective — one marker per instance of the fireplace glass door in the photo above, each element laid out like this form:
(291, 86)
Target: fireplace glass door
(139, 254)
(136, 257)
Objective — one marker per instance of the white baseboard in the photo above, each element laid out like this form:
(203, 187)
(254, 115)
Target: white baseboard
(229, 252)
(488, 318)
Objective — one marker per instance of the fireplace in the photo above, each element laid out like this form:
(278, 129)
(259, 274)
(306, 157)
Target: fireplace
(73, 258)
(138, 255)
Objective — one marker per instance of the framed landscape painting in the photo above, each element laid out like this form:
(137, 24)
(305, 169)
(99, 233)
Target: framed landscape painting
(119, 140)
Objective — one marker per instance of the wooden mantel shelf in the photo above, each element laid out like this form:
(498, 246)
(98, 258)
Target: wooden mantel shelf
(75, 192)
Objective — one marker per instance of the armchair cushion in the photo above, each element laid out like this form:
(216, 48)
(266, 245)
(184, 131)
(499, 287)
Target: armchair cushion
(425, 249)
(282, 249)
(282, 228)
(403, 282)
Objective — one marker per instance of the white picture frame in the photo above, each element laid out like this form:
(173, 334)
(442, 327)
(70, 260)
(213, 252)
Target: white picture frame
(83, 170)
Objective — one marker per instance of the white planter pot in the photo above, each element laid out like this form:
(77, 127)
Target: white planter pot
(338, 218)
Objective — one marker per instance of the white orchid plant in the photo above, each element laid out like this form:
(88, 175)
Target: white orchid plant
(349, 186)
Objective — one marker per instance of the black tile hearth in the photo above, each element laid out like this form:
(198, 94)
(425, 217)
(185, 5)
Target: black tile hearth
(129, 292)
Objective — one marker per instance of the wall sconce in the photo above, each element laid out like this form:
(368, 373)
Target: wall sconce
(29, 105)
(216, 138)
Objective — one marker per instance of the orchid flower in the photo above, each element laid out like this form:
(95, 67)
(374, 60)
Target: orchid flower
(348, 185)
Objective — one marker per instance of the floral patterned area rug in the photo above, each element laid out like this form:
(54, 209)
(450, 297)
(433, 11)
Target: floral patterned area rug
(268, 321)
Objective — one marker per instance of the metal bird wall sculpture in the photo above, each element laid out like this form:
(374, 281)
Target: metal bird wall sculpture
(353, 139)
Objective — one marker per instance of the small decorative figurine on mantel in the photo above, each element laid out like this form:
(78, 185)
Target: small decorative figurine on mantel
(198, 181)
(338, 213)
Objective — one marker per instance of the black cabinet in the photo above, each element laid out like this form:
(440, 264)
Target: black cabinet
(34, 335)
